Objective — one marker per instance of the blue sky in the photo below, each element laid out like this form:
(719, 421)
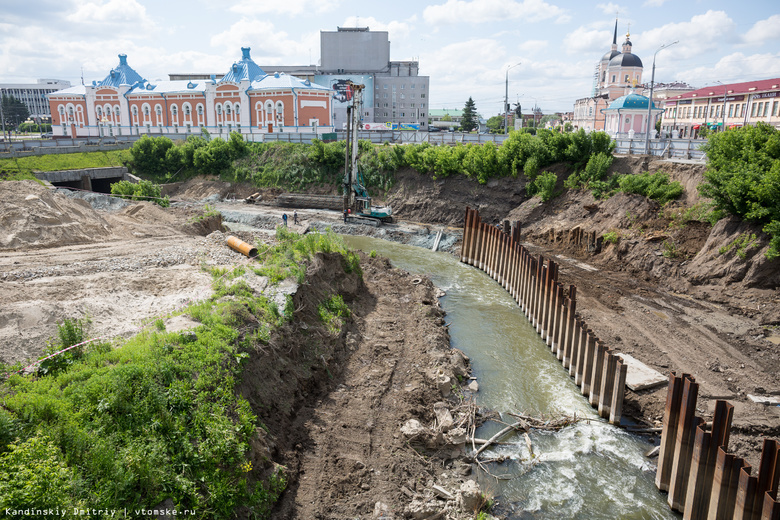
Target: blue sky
(465, 46)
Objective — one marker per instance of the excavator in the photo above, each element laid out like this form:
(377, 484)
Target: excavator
(357, 202)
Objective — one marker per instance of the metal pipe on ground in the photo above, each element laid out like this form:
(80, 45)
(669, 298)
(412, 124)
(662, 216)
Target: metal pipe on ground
(242, 247)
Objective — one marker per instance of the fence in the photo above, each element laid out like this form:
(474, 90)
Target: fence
(672, 148)
(551, 309)
(704, 481)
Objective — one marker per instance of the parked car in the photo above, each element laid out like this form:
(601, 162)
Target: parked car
(47, 135)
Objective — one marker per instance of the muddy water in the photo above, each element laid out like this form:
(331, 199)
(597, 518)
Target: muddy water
(587, 471)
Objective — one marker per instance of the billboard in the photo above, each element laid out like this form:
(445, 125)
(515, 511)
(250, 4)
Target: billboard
(342, 93)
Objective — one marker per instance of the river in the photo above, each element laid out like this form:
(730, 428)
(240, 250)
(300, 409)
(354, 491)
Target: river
(590, 470)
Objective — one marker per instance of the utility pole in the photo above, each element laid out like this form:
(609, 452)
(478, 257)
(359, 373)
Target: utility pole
(506, 99)
(650, 100)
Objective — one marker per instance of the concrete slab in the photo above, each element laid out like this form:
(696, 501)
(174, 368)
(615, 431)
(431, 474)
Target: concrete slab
(765, 399)
(640, 376)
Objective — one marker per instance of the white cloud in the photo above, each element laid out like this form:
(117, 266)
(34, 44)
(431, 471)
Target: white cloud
(587, 40)
(703, 33)
(481, 11)
(763, 31)
(285, 7)
(266, 41)
(735, 68)
(533, 46)
(396, 30)
(612, 9)
(111, 12)
(654, 3)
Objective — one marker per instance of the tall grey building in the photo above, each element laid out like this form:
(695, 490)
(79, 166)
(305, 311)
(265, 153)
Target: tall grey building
(395, 93)
(33, 95)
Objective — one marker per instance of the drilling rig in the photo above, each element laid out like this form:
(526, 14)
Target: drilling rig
(356, 197)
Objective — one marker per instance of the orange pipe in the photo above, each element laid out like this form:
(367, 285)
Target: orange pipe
(242, 247)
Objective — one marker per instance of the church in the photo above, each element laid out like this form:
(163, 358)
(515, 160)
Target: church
(615, 76)
(245, 99)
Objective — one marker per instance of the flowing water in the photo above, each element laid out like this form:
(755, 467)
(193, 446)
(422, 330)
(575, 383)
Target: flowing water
(590, 470)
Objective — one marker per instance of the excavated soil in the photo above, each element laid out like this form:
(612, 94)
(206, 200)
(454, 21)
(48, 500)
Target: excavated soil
(669, 295)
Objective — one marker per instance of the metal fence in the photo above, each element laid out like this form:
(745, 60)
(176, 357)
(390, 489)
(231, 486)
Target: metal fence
(704, 481)
(598, 371)
(671, 148)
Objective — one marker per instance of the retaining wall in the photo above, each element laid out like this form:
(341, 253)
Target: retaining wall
(551, 309)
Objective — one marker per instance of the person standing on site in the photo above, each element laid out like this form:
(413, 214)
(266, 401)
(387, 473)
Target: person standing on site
(345, 216)
(284, 217)
(295, 217)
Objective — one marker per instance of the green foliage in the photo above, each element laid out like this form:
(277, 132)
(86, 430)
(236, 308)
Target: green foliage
(208, 211)
(372, 254)
(469, 121)
(743, 176)
(495, 124)
(157, 418)
(655, 186)
(23, 167)
(699, 212)
(34, 475)
(596, 168)
(332, 313)
(544, 186)
(144, 190)
(611, 237)
(14, 111)
(71, 332)
(740, 244)
(670, 249)
(286, 259)
(148, 156)
(593, 176)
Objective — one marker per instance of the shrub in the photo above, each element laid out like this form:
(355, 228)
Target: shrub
(144, 190)
(655, 186)
(544, 186)
(611, 237)
(332, 312)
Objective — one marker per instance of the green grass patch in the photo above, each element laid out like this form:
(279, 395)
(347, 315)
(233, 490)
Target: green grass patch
(332, 313)
(655, 186)
(23, 167)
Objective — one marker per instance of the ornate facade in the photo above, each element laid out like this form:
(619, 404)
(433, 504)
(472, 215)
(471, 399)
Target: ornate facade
(245, 99)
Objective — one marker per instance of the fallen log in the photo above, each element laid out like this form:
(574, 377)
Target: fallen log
(521, 424)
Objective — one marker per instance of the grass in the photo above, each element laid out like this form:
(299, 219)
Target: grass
(740, 245)
(23, 167)
(158, 418)
(611, 237)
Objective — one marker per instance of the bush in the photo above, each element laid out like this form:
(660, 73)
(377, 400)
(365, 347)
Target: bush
(655, 186)
(144, 190)
(544, 186)
(743, 176)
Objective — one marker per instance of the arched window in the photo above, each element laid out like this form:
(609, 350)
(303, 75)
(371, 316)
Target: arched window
(200, 114)
(269, 112)
(80, 115)
(237, 109)
(175, 115)
(280, 112)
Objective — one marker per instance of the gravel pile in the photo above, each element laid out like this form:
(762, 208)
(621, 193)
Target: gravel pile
(97, 200)
(211, 250)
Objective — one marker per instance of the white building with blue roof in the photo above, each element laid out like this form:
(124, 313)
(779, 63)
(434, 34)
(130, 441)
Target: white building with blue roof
(244, 100)
(627, 116)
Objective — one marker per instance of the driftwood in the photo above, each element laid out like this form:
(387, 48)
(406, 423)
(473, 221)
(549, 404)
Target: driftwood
(519, 424)
(525, 423)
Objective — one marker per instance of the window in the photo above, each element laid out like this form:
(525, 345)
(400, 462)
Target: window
(766, 108)
(412, 105)
(402, 86)
(402, 114)
(385, 96)
(422, 95)
(613, 78)
(753, 111)
(731, 110)
(403, 96)
(774, 108)
(385, 87)
(626, 78)
(411, 86)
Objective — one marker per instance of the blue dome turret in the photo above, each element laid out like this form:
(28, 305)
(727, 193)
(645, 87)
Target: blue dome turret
(245, 69)
(122, 74)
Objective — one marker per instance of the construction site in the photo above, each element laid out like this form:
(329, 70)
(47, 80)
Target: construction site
(385, 426)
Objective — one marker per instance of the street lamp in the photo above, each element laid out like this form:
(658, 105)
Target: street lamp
(725, 91)
(650, 100)
(506, 98)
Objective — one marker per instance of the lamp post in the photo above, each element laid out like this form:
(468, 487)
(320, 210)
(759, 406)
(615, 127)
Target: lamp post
(650, 100)
(725, 91)
(506, 98)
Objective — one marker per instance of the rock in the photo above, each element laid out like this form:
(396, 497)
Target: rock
(444, 384)
(443, 416)
(381, 511)
(456, 436)
(470, 496)
(413, 428)
(459, 362)
(421, 509)
(473, 386)
(443, 493)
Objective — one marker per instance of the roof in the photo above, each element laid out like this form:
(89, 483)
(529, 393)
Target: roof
(625, 59)
(748, 87)
(611, 54)
(244, 69)
(630, 101)
(76, 90)
(281, 80)
(122, 74)
(170, 87)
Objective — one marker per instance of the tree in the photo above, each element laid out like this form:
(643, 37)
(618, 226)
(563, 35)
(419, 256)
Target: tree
(495, 124)
(547, 118)
(469, 120)
(14, 111)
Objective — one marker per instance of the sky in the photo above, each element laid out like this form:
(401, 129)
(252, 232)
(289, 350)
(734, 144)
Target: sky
(545, 50)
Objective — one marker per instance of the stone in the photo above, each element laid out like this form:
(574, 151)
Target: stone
(443, 416)
(473, 386)
(422, 509)
(413, 428)
(382, 511)
(470, 496)
(456, 436)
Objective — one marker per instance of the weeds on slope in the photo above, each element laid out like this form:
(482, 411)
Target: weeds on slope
(158, 418)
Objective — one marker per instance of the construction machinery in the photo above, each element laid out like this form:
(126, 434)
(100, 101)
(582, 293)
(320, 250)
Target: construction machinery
(357, 202)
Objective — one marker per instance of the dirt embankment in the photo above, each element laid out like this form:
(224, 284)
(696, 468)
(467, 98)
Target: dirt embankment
(678, 294)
